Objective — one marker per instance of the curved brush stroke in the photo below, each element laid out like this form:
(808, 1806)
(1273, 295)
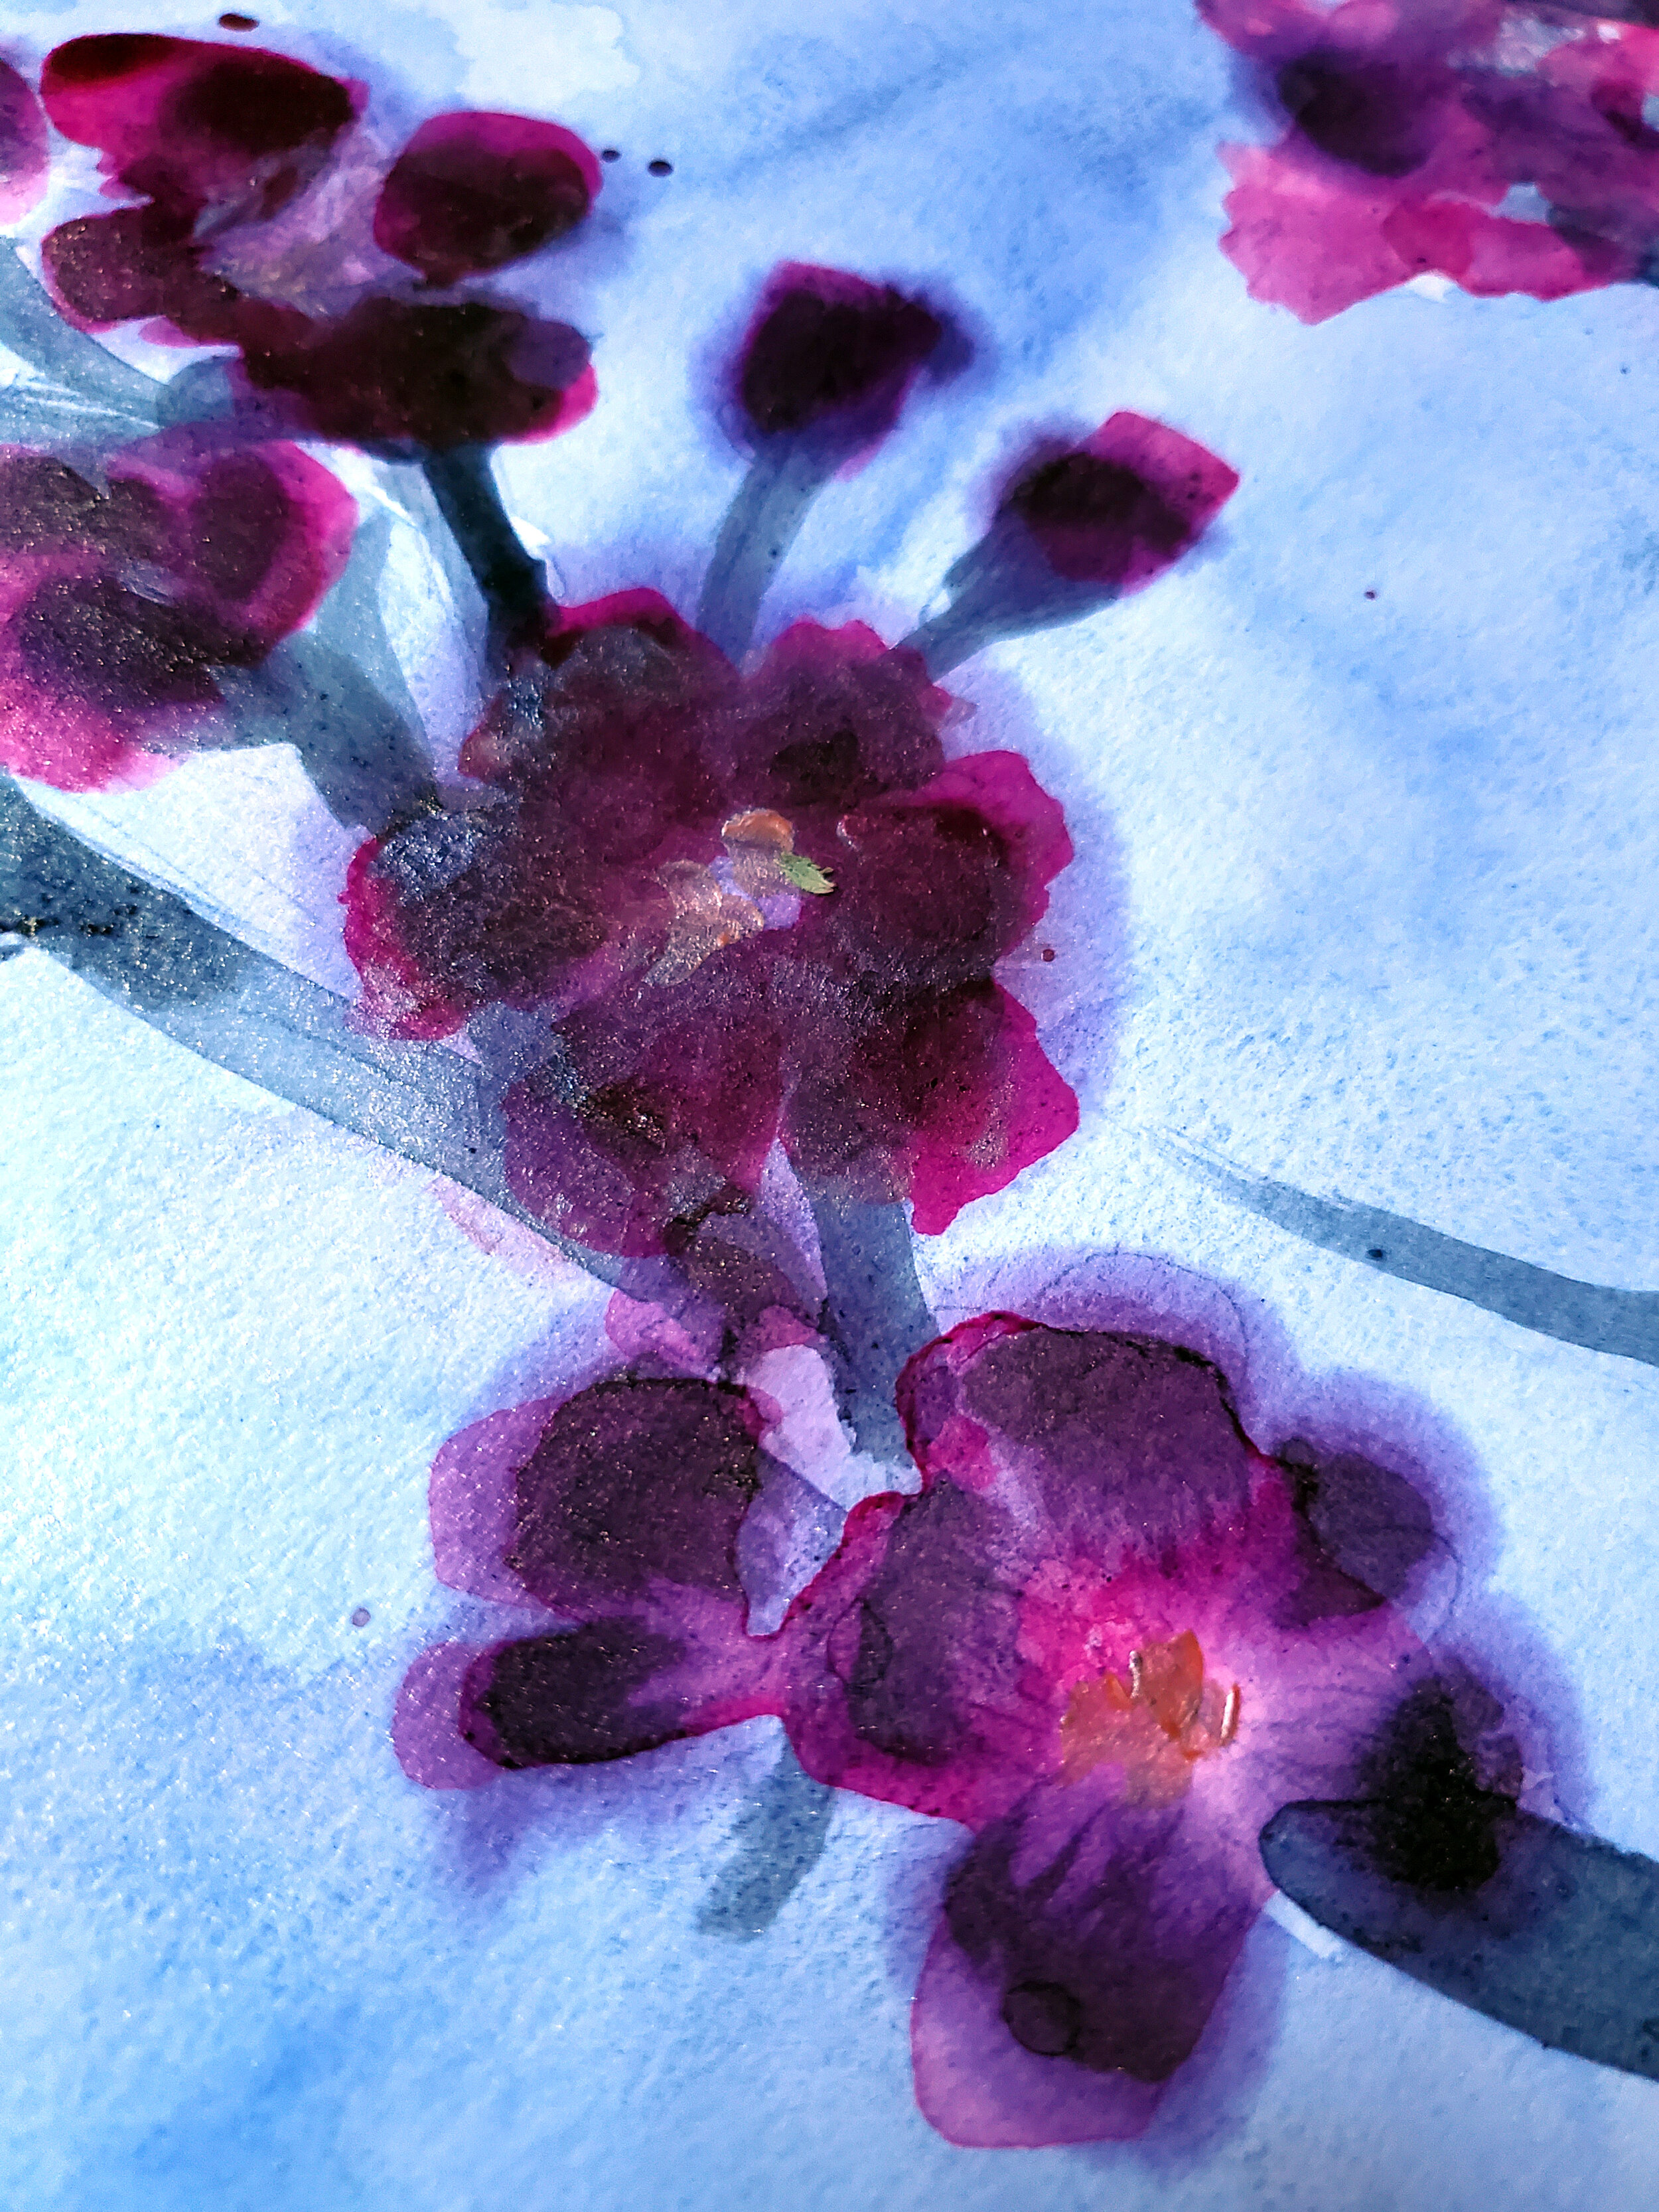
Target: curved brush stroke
(150, 954)
(762, 524)
(1562, 1941)
(875, 1314)
(781, 1834)
(34, 330)
(1623, 1323)
(512, 585)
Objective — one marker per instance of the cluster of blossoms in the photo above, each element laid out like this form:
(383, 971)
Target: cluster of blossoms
(747, 905)
(203, 548)
(220, 142)
(762, 905)
(1104, 1633)
(736, 900)
(1506, 147)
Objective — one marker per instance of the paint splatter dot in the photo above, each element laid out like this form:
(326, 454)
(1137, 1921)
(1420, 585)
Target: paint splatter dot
(1376, 1251)
(611, 154)
(1370, 595)
(660, 168)
(360, 1616)
(234, 23)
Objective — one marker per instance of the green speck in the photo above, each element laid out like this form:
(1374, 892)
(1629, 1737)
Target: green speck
(806, 875)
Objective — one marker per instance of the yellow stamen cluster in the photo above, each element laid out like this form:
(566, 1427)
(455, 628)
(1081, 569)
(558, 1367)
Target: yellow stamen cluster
(1155, 1725)
(760, 847)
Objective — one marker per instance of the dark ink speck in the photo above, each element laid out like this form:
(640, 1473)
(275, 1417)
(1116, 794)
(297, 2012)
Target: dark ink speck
(611, 154)
(360, 1616)
(234, 23)
(1376, 1251)
(1370, 595)
(660, 168)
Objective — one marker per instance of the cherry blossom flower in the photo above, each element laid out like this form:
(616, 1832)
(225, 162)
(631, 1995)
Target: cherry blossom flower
(1106, 1634)
(758, 908)
(1505, 148)
(117, 603)
(219, 140)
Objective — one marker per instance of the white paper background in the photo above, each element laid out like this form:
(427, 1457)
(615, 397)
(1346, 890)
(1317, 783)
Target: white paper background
(1383, 877)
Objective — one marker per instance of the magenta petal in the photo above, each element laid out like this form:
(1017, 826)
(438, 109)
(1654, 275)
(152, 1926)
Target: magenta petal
(1129, 1444)
(634, 1486)
(615, 1686)
(118, 607)
(23, 152)
(941, 1097)
(108, 269)
(472, 1500)
(983, 2091)
(193, 123)
(677, 1110)
(1001, 788)
(585, 1694)
(1409, 128)
(472, 191)
(259, 534)
(404, 374)
(993, 1108)
(426, 1722)
(1096, 1936)
(1312, 240)
(1122, 507)
(830, 352)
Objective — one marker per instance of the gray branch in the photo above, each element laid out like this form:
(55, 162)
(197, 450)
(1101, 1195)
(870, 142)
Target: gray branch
(149, 953)
(1623, 1323)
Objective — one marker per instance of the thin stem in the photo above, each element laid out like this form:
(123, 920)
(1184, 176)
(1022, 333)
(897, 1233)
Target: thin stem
(512, 585)
(761, 525)
(877, 1315)
(1624, 1324)
(999, 589)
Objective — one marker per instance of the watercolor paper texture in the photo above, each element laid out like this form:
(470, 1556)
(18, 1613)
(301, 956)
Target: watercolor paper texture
(832, 1353)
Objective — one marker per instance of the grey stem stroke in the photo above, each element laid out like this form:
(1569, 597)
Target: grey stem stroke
(1561, 1942)
(338, 695)
(781, 1835)
(761, 525)
(876, 1317)
(1000, 588)
(149, 953)
(511, 582)
(32, 328)
(1622, 1323)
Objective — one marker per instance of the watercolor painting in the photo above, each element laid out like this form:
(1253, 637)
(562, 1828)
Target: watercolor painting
(827, 950)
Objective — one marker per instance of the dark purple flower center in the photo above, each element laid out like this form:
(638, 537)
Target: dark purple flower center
(100, 641)
(1375, 116)
(813, 357)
